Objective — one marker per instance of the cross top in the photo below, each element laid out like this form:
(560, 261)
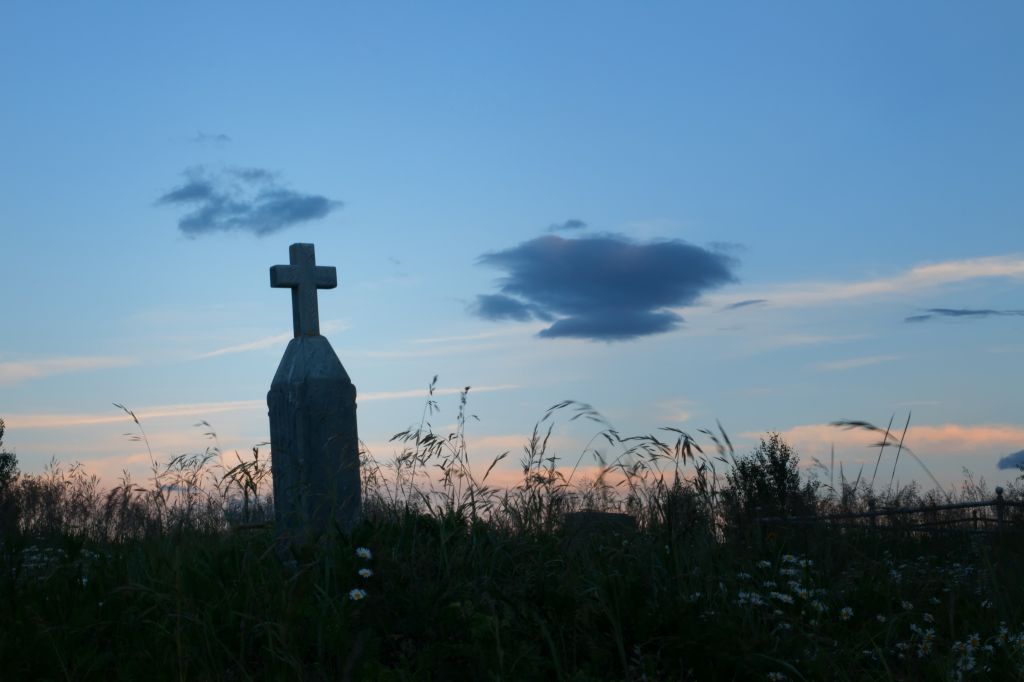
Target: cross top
(303, 276)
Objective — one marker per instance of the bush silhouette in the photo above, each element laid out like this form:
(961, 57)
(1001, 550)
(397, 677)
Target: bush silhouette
(767, 482)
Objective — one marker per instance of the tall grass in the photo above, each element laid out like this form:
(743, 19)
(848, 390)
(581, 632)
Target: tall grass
(177, 577)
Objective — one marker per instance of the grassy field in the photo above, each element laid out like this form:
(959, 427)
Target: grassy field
(447, 578)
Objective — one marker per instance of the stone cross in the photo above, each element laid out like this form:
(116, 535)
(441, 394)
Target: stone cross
(303, 277)
(314, 441)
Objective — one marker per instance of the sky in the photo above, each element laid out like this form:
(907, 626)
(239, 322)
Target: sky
(772, 216)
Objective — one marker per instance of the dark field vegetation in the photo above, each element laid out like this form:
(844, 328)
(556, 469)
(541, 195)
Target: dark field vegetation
(450, 579)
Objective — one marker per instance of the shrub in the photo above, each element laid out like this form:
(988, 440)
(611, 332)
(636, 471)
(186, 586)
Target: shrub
(767, 482)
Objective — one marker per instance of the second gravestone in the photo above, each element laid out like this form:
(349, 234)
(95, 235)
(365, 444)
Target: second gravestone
(314, 444)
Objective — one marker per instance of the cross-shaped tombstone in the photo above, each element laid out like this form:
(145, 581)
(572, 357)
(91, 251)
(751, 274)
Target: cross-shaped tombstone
(303, 276)
(314, 441)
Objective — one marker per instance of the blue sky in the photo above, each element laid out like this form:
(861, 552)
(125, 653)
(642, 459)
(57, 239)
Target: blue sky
(543, 201)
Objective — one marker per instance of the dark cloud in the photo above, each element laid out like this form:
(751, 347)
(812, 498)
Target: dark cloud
(243, 199)
(605, 288)
(969, 313)
(501, 307)
(1012, 461)
(570, 224)
(211, 138)
(744, 304)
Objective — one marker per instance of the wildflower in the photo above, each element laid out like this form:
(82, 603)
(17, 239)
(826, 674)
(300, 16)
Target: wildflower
(986, 604)
(752, 598)
(974, 640)
(768, 584)
(907, 606)
(788, 559)
(776, 677)
(927, 635)
(743, 576)
(365, 573)
(935, 601)
(357, 594)
(791, 572)
(880, 618)
(819, 606)
(845, 613)
(782, 597)
(364, 553)
(927, 617)
(764, 564)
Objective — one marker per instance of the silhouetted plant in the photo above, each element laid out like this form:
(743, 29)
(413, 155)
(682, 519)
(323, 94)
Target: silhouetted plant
(767, 482)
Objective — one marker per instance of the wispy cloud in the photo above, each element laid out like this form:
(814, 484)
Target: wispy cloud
(258, 344)
(423, 393)
(242, 199)
(116, 416)
(851, 363)
(604, 288)
(213, 139)
(467, 337)
(745, 303)
(919, 278)
(936, 439)
(23, 370)
(429, 352)
(568, 225)
(963, 313)
(16, 422)
(785, 340)
(327, 326)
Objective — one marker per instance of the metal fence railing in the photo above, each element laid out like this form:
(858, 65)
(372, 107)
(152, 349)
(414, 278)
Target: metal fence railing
(932, 518)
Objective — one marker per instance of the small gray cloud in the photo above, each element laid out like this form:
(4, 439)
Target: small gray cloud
(242, 199)
(744, 304)
(967, 313)
(1012, 461)
(570, 224)
(215, 139)
(603, 288)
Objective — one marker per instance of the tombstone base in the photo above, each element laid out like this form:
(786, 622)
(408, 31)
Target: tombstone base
(314, 444)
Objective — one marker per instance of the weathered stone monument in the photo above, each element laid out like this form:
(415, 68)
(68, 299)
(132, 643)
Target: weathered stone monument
(312, 403)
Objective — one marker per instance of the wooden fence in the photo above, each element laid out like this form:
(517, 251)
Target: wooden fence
(901, 518)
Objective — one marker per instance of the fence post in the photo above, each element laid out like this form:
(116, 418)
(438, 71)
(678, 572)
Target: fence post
(999, 507)
(871, 509)
(974, 515)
